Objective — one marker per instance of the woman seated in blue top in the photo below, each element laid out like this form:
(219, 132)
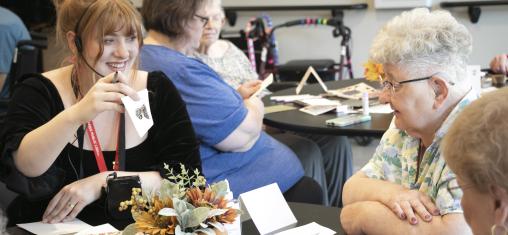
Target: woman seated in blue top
(12, 30)
(233, 145)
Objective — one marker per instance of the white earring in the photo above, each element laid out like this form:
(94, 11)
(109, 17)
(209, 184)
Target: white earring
(496, 230)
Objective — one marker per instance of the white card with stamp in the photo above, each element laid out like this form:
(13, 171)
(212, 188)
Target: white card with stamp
(139, 112)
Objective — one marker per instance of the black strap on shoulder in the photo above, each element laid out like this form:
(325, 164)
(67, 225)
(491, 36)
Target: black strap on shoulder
(121, 142)
(81, 134)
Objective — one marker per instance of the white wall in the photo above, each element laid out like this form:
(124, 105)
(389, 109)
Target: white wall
(301, 42)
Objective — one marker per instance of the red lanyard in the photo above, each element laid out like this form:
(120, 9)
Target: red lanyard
(97, 151)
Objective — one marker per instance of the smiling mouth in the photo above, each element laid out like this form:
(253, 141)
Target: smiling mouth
(117, 66)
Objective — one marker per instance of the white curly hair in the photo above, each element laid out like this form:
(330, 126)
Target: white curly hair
(423, 42)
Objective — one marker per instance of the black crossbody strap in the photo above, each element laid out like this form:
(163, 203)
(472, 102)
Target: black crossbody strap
(121, 142)
(81, 134)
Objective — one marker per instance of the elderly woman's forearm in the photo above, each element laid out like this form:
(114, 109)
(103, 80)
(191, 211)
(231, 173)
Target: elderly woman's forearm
(375, 218)
(361, 188)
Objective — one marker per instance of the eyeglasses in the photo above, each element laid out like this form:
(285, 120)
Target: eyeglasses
(395, 86)
(203, 19)
(453, 187)
(216, 18)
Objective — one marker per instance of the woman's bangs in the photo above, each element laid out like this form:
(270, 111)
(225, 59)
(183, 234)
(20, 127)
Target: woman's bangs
(129, 21)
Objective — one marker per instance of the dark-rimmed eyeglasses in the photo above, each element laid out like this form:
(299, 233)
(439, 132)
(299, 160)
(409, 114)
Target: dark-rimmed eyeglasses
(203, 19)
(455, 189)
(395, 86)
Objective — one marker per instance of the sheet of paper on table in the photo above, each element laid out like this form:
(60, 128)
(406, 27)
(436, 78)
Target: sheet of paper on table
(355, 92)
(317, 101)
(278, 108)
(55, 229)
(318, 109)
(292, 98)
(310, 228)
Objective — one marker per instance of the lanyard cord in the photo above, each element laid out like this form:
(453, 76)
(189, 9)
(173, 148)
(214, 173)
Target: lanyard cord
(119, 163)
(120, 146)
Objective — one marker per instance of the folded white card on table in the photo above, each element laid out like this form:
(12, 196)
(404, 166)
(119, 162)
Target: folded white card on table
(73, 226)
(100, 229)
(139, 112)
(306, 76)
(267, 208)
(310, 228)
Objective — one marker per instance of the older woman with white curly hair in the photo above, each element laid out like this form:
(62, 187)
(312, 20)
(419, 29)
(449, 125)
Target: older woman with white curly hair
(402, 189)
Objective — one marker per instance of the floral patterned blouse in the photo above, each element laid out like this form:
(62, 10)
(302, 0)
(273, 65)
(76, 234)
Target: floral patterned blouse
(395, 160)
(234, 66)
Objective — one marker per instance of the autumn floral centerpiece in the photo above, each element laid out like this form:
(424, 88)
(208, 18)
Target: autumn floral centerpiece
(373, 71)
(185, 204)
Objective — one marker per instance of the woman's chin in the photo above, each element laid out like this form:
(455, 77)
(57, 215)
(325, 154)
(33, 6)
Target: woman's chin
(401, 125)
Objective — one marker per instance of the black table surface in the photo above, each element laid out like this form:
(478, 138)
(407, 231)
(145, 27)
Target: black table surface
(295, 120)
(304, 213)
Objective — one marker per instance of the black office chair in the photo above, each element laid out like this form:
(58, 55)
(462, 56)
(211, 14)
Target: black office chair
(27, 59)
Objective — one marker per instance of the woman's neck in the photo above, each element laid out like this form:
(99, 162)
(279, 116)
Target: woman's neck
(203, 48)
(84, 79)
(156, 38)
(215, 50)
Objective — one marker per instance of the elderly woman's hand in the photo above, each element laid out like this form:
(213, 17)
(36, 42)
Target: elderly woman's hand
(248, 88)
(499, 64)
(72, 198)
(407, 203)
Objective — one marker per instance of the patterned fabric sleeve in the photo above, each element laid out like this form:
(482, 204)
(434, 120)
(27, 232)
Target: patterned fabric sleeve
(386, 162)
(444, 199)
(374, 168)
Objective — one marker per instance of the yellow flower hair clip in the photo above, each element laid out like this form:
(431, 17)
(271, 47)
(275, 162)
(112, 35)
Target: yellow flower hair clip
(373, 71)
